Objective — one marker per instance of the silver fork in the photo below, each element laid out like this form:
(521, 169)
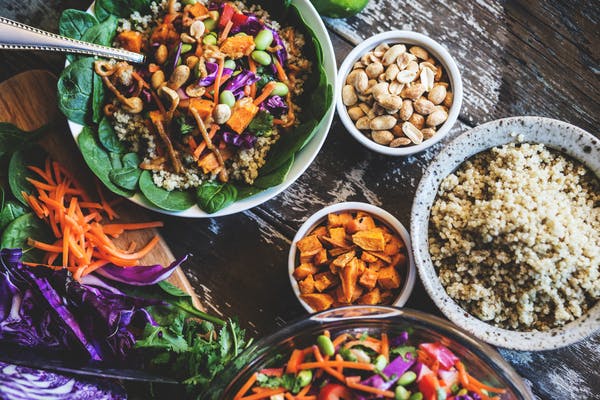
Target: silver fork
(17, 36)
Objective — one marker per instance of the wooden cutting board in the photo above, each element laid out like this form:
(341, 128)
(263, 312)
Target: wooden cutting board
(28, 100)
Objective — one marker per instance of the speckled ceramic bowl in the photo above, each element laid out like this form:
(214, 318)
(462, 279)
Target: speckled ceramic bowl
(561, 136)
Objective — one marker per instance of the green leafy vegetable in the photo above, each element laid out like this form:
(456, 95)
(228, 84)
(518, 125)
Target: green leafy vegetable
(182, 126)
(102, 33)
(98, 95)
(13, 138)
(98, 160)
(126, 177)
(18, 171)
(19, 230)
(11, 211)
(108, 138)
(262, 124)
(214, 196)
(276, 177)
(121, 8)
(74, 23)
(75, 87)
(175, 200)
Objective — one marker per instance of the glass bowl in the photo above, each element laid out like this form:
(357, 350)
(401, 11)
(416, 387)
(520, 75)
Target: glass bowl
(483, 361)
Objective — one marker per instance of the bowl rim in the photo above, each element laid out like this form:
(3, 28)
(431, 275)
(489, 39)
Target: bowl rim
(409, 38)
(379, 213)
(503, 131)
(310, 150)
(441, 326)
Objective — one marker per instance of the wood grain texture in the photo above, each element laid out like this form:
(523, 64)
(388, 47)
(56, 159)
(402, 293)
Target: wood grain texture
(28, 100)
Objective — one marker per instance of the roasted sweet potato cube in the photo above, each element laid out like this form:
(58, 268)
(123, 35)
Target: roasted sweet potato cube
(338, 251)
(388, 278)
(318, 301)
(334, 220)
(368, 257)
(343, 244)
(362, 223)
(371, 298)
(238, 46)
(368, 278)
(319, 231)
(337, 234)
(307, 285)
(377, 265)
(344, 259)
(306, 258)
(324, 281)
(382, 256)
(387, 296)
(341, 297)
(398, 260)
(309, 245)
(370, 240)
(242, 113)
(320, 258)
(391, 249)
(349, 276)
(303, 270)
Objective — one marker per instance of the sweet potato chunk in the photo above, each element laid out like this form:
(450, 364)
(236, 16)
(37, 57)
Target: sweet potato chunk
(362, 223)
(324, 280)
(368, 257)
(307, 285)
(398, 259)
(343, 244)
(388, 278)
(242, 114)
(309, 246)
(341, 297)
(370, 240)
(368, 278)
(344, 259)
(303, 270)
(338, 251)
(318, 301)
(349, 275)
(371, 298)
(382, 256)
(335, 220)
(320, 258)
(320, 231)
(238, 46)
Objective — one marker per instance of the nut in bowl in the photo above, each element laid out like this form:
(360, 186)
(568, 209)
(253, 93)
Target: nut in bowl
(351, 253)
(401, 92)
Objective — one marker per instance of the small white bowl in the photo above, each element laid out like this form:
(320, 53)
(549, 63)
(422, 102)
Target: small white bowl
(567, 139)
(409, 38)
(381, 215)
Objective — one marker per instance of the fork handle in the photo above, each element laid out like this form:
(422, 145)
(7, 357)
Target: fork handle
(17, 36)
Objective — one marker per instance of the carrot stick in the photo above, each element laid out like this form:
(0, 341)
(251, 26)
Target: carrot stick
(385, 346)
(269, 87)
(334, 364)
(225, 31)
(133, 256)
(217, 85)
(263, 395)
(340, 339)
(369, 389)
(330, 371)
(280, 72)
(41, 173)
(132, 227)
(246, 386)
(252, 66)
(366, 343)
(211, 134)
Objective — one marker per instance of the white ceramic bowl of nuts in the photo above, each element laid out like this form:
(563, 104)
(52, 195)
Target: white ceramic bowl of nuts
(401, 92)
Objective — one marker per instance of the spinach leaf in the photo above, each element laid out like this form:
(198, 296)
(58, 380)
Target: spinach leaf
(175, 200)
(11, 211)
(18, 171)
(276, 177)
(131, 160)
(98, 95)
(108, 137)
(26, 226)
(98, 160)
(74, 23)
(100, 12)
(13, 138)
(102, 33)
(126, 177)
(261, 124)
(288, 145)
(214, 196)
(75, 87)
(115, 160)
(122, 8)
(168, 334)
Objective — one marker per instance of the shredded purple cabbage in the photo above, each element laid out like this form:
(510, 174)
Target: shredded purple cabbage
(242, 79)
(251, 27)
(399, 340)
(177, 55)
(212, 69)
(281, 54)
(275, 105)
(393, 370)
(245, 140)
(141, 275)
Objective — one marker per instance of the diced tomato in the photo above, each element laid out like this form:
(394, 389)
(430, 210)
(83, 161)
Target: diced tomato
(428, 385)
(272, 371)
(440, 353)
(333, 391)
(226, 15)
(239, 19)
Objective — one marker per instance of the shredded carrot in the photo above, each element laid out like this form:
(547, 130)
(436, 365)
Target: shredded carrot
(218, 80)
(246, 386)
(211, 134)
(263, 395)
(252, 66)
(280, 71)
(329, 370)
(365, 343)
(267, 90)
(369, 389)
(385, 346)
(289, 396)
(334, 364)
(225, 31)
(340, 339)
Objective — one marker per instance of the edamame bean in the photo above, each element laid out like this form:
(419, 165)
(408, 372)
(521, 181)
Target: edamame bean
(281, 89)
(454, 388)
(441, 394)
(211, 38)
(347, 355)
(185, 48)
(325, 345)
(304, 377)
(407, 378)
(229, 64)
(210, 24)
(416, 396)
(462, 392)
(263, 39)
(380, 362)
(401, 393)
(227, 97)
(261, 57)
(188, 2)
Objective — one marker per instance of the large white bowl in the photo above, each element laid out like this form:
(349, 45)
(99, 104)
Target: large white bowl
(409, 38)
(303, 158)
(561, 136)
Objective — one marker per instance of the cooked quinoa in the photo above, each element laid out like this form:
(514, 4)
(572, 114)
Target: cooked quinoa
(515, 237)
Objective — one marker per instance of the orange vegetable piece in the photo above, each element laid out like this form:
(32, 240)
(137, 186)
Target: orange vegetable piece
(342, 260)
(337, 235)
(334, 220)
(130, 40)
(361, 223)
(242, 114)
(371, 298)
(203, 106)
(307, 285)
(398, 259)
(320, 231)
(198, 9)
(309, 245)
(368, 278)
(324, 280)
(303, 270)
(209, 163)
(368, 257)
(371, 239)
(321, 257)
(349, 276)
(318, 301)
(388, 278)
(238, 46)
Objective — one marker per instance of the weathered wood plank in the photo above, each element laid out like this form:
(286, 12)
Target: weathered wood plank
(516, 57)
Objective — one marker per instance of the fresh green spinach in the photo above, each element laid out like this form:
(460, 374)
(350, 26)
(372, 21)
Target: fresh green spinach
(126, 177)
(74, 23)
(108, 138)
(98, 96)
(20, 229)
(288, 145)
(98, 160)
(102, 33)
(276, 177)
(18, 171)
(11, 211)
(175, 200)
(214, 196)
(75, 87)
(121, 8)
(13, 138)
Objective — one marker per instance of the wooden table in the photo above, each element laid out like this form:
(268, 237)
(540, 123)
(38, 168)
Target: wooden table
(516, 58)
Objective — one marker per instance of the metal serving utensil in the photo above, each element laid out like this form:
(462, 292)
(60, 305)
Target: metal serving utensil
(17, 36)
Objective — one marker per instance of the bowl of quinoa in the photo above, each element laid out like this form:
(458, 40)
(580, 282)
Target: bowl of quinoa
(506, 232)
(224, 117)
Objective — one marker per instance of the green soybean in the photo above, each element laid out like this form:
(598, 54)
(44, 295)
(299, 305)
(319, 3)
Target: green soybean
(185, 48)
(210, 24)
(380, 362)
(227, 97)
(261, 57)
(188, 2)
(211, 38)
(407, 378)
(304, 377)
(401, 393)
(263, 39)
(229, 64)
(325, 345)
(416, 396)
(441, 394)
(462, 392)
(347, 355)
(281, 89)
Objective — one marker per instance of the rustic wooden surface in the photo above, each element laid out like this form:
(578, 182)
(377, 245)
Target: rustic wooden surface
(28, 100)
(516, 58)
